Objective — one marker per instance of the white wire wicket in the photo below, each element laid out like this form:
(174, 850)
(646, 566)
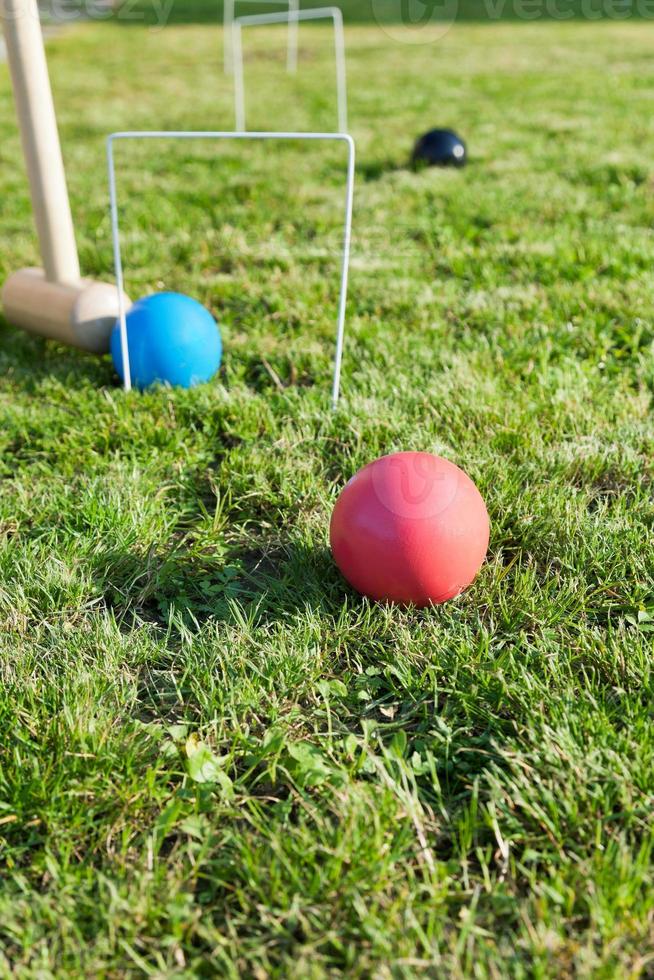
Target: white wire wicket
(292, 16)
(229, 12)
(210, 135)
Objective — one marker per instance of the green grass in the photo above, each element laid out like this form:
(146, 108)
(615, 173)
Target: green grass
(215, 759)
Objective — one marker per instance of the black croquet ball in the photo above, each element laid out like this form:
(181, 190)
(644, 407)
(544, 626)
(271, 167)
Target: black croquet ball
(439, 148)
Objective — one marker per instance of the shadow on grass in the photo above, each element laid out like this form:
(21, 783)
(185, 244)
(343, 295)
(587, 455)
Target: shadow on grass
(371, 170)
(178, 594)
(260, 585)
(28, 361)
(282, 583)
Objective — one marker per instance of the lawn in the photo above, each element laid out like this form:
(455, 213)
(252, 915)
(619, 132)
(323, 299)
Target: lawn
(215, 758)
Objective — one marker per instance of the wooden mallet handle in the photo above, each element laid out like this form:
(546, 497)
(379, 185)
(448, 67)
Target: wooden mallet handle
(53, 302)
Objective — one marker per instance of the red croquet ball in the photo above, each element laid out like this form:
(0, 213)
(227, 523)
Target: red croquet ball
(410, 528)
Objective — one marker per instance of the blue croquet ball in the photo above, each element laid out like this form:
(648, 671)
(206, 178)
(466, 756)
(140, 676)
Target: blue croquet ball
(172, 339)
